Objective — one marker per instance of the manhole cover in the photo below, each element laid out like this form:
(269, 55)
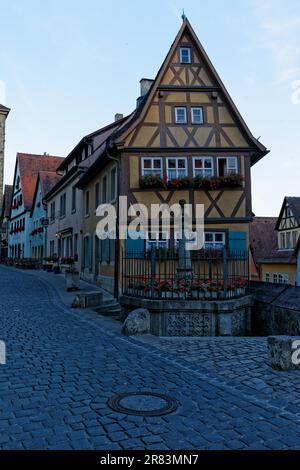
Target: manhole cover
(143, 403)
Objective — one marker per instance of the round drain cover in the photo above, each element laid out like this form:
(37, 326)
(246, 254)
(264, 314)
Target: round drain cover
(143, 403)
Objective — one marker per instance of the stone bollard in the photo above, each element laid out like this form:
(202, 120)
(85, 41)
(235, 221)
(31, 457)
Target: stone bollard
(137, 323)
(284, 352)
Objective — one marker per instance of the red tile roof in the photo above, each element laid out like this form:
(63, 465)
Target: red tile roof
(263, 238)
(29, 166)
(7, 200)
(48, 179)
(264, 243)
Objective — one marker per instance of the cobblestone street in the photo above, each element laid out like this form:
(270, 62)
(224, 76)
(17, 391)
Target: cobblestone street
(63, 365)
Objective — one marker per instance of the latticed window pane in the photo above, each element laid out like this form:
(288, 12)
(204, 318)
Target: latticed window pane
(185, 55)
(180, 115)
(197, 115)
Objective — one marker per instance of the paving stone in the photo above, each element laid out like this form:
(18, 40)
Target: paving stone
(65, 365)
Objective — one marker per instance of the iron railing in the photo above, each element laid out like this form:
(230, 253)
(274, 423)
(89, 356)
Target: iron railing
(213, 274)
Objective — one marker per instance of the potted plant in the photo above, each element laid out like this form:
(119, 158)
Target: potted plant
(55, 265)
(72, 275)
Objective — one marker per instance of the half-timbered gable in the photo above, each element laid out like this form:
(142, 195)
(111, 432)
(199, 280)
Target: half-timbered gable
(185, 140)
(288, 223)
(187, 126)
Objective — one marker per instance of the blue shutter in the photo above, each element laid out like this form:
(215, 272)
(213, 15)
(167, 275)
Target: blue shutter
(137, 246)
(238, 241)
(82, 254)
(90, 249)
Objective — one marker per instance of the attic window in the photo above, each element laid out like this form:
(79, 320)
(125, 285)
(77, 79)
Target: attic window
(180, 115)
(197, 115)
(185, 55)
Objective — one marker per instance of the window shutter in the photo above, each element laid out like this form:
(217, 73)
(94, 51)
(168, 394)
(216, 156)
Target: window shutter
(90, 251)
(238, 241)
(137, 246)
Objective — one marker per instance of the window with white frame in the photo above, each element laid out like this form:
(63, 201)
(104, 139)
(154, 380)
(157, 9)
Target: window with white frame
(113, 184)
(227, 166)
(294, 238)
(152, 167)
(280, 278)
(52, 211)
(189, 237)
(197, 115)
(214, 240)
(185, 55)
(267, 277)
(288, 240)
(158, 239)
(180, 115)
(203, 166)
(176, 168)
(104, 190)
(282, 240)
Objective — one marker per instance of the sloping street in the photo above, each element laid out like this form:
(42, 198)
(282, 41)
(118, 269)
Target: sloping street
(63, 365)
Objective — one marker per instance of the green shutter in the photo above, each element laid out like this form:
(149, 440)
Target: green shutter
(238, 241)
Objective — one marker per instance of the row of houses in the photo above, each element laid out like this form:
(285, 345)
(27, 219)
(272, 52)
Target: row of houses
(185, 140)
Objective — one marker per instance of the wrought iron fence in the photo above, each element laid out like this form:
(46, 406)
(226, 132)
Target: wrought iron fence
(203, 275)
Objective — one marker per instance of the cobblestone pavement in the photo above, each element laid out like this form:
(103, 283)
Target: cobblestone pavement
(63, 366)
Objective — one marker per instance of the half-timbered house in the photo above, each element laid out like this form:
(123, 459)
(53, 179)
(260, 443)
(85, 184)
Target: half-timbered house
(279, 265)
(186, 140)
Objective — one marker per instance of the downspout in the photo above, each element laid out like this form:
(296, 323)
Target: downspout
(117, 244)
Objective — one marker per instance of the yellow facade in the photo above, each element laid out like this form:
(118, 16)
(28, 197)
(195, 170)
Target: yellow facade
(287, 270)
(220, 136)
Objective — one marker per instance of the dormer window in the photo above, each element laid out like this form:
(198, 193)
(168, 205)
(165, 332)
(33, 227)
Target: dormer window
(185, 55)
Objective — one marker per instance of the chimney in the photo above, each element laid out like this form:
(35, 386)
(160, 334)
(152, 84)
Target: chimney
(146, 84)
(118, 117)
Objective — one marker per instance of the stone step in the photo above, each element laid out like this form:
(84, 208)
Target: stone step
(108, 313)
(109, 308)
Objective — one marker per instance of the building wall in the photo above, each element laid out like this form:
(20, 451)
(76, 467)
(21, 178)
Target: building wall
(70, 225)
(289, 269)
(276, 309)
(97, 262)
(37, 241)
(19, 245)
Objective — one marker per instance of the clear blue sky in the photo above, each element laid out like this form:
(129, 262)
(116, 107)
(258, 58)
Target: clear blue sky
(66, 67)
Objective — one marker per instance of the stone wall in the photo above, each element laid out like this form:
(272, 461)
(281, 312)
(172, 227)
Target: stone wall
(195, 318)
(276, 309)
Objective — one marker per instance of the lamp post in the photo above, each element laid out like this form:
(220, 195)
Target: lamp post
(184, 270)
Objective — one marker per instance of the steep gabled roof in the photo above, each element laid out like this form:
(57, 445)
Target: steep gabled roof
(29, 167)
(294, 205)
(263, 237)
(46, 179)
(4, 109)
(104, 134)
(259, 149)
(98, 136)
(6, 200)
